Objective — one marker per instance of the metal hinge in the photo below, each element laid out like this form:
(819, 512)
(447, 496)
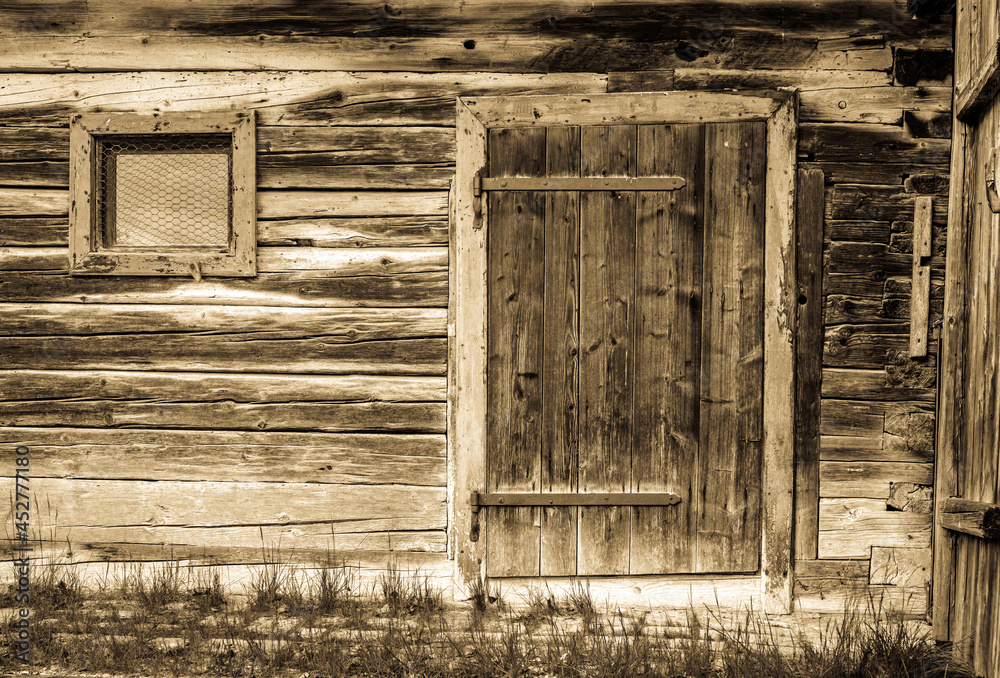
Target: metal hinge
(477, 500)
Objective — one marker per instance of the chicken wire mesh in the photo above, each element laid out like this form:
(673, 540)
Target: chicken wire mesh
(164, 190)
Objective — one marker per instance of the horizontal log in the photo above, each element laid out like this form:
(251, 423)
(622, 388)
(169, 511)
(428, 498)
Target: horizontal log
(869, 479)
(976, 518)
(365, 459)
(848, 172)
(802, 79)
(897, 566)
(131, 509)
(298, 174)
(858, 231)
(251, 322)
(872, 447)
(359, 232)
(34, 143)
(33, 232)
(866, 418)
(308, 416)
(835, 573)
(902, 603)
(52, 54)
(27, 202)
(353, 177)
(870, 384)
(225, 353)
(42, 173)
(878, 203)
(316, 289)
(288, 98)
(204, 387)
(865, 346)
(339, 261)
(869, 143)
(248, 441)
(317, 232)
(849, 528)
(884, 105)
(365, 145)
(283, 204)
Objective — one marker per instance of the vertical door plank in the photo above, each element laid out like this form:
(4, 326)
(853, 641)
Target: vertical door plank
(668, 348)
(513, 349)
(607, 293)
(732, 349)
(560, 353)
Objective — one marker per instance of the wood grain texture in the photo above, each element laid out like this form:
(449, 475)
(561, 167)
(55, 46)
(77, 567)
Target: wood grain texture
(514, 349)
(731, 349)
(809, 348)
(850, 527)
(560, 372)
(607, 317)
(669, 250)
(921, 278)
(232, 456)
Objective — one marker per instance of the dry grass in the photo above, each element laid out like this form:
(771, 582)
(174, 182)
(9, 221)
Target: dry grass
(168, 620)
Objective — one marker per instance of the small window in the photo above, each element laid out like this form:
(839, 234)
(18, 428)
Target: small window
(163, 195)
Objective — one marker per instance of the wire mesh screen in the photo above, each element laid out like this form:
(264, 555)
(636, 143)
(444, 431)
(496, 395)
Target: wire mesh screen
(156, 190)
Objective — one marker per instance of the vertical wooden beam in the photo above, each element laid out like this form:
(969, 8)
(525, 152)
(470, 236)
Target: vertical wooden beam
(81, 167)
(780, 299)
(950, 401)
(468, 296)
(810, 207)
(920, 292)
(244, 182)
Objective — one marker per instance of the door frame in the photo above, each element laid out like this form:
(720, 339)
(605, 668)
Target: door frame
(468, 285)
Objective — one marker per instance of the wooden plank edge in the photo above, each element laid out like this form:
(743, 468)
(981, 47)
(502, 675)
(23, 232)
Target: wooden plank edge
(950, 382)
(976, 518)
(972, 99)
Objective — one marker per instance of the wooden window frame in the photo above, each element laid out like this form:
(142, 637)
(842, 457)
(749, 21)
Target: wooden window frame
(87, 257)
(467, 392)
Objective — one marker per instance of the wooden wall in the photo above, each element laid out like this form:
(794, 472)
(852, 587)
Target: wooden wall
(311, 400)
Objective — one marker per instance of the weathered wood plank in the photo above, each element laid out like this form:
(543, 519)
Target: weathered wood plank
(33, 232)
(976, 518)
(921, 278)
(731, 349)
(845, 172)
(28, 202)
(877, 203)
(869, 479)
(514, 349)
(36, 174)
(669, 249)
(257, 322)
(872, 104)
(803, 79)
(864, 346)
(870, 384)
(607, 336)
(347, 177)
(327, 289)
(125, 508)
(911, 497)
(849, 528)
(227, 353)
(283, 204)
(560, 358)
(287, 98)
(809, 362)
(897, 566)
(355, 232)
(202, 387)
(342, 261)
(281, 146)
(868, 143)
(135, 454)
(873, 448)
(309, 416)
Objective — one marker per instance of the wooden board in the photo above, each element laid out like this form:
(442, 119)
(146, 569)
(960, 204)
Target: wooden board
(607, 317)
(514, 341)
(560, 354)
(669, 246)
(731, 349)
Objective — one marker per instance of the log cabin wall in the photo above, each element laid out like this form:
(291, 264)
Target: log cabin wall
(306, 407)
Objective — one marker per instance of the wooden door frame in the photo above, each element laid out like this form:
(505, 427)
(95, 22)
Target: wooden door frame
(467, 365)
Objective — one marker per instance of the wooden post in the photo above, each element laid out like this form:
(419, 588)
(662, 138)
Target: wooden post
(920, 292)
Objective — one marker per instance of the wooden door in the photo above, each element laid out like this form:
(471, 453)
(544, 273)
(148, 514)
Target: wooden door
(624, 349)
